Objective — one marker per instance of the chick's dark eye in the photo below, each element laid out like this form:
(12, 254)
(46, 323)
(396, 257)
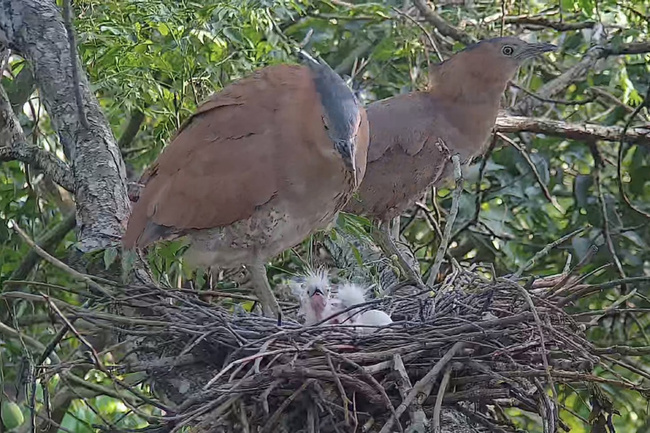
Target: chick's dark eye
(507, 50)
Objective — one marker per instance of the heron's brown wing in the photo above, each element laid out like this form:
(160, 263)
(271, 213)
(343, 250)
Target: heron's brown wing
(398, 123)
(221, 165)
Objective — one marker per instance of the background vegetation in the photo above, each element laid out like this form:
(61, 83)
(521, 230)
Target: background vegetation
(152, 61)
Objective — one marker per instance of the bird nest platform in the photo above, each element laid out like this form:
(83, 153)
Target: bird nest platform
(473, 347)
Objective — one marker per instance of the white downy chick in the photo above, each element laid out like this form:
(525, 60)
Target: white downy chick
(314, 296)
(351, 294)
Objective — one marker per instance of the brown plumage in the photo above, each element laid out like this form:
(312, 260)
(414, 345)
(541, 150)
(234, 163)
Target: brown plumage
(413, 136)
(259, 166)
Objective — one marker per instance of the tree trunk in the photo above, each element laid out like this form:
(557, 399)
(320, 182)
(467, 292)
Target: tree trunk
(35, 29)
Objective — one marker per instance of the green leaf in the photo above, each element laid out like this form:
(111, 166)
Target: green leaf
(12, 416)
(110, 254)
(163, 29)
(581, 185)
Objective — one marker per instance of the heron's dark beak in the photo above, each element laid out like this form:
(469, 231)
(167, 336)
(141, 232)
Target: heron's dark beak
(347, 150)
(534, 50)
(543, 48)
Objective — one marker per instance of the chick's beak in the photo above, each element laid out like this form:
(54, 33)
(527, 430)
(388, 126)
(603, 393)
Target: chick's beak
(317, 291)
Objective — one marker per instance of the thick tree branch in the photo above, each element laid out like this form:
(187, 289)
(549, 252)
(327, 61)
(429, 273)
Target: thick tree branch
(35, 29)
(626, 49)
(72, 45)
(14, 146)
(574, 131)
(540, 21)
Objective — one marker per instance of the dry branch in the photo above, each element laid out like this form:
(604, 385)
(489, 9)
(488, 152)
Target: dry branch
(574, 131)
(541, 21)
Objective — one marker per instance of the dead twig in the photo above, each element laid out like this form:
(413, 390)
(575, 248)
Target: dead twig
(437, 408)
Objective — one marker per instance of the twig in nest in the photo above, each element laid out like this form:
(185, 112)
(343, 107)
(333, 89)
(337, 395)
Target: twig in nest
(453, 213)
(220, 410)
(266, 393)
(480, 419)
(417, 415)
(549, 409)
(369, 378)
(540, 329)
(276, 415)
(437, 409)
(560, 286)
(421, 384)
(311, 419)
(612, 307)
(57, 263)
(243, 418)
(72, 45)
(339, 385)
(245, 360)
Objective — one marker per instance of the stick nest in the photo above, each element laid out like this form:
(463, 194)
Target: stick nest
(476, 346)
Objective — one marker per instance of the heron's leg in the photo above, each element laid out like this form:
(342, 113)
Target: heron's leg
(262, 289)
(395, 227)
(380, 232)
